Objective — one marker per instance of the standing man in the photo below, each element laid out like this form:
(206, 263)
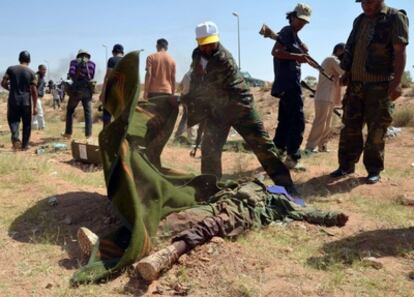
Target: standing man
(220, 97)
(160, 76)
(81, 72)
(21, 83)
(39, 119)
(117, 54)
(374, 61)
(289, 53)
(327, 96)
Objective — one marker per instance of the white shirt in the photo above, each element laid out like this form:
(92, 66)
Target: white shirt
(327, 90)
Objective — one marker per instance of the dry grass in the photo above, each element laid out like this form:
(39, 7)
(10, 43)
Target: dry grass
(403, 117)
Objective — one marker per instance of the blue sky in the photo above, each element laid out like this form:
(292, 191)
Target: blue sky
(53, 31)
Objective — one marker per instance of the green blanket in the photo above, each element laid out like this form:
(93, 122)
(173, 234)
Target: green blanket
(140, 190)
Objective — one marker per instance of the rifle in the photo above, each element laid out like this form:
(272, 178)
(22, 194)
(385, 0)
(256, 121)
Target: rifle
(198, 139)
(266, 32)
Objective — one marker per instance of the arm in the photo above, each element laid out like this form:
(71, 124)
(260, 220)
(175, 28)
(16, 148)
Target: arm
(279, 51)
(400, 41)
(5, 82)
(173, 79)
(103, 92)
(33, 91)
(400, 58)
(72, 70)
(148, 77)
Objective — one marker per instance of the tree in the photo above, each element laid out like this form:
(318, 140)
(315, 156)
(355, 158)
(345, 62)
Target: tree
(406, 79)
(311, 81)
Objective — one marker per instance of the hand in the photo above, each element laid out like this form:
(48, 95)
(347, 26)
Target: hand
(302, 58)
(395, 90)
(34, 110)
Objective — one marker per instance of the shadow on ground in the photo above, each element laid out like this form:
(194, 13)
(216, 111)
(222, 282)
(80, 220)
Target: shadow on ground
(57, 225)
(324, 186)
(377, 243)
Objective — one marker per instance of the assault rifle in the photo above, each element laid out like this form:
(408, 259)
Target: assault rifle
(266, 32)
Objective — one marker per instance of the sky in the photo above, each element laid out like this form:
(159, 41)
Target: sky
(53, 31)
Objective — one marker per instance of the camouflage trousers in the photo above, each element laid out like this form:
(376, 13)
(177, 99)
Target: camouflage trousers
(246, 121)
(365, 103)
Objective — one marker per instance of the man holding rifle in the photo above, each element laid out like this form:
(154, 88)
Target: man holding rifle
(374, 61)
(289, 53)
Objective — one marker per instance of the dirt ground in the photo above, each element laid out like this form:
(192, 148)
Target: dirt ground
(39, 252)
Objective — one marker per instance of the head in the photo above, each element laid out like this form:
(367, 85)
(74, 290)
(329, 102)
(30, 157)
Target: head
(339, 50)
(42, 70)
(118, 49)
(83, 55)
(207, 36)
(371, 7)
(162, 44)
(24, 57)
(299, 17)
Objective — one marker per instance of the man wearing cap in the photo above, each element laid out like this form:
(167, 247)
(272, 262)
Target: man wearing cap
(289, 53)
(160, 68)
(220, 97)
(117, 54)
(374, 61)
(39, 119)
(21, 83)
(81, 72)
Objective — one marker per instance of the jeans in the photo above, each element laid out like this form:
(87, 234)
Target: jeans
(289, 132)
(14, 115)
(86, 99)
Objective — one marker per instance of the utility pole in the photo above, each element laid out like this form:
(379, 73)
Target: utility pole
(238, 35)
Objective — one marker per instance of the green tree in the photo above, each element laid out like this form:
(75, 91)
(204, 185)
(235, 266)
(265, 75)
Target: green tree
(311, 81)
(406, 80)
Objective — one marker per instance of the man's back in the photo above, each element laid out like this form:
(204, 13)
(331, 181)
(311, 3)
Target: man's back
(330, 90)
(162, 73)
(21, 78)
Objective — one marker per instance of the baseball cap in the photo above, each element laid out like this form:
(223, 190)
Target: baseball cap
(207, 33)
(303, 12)
(83, 52)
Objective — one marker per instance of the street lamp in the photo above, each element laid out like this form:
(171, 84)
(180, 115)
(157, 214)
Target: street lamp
(47, 65)
(106, 51)
(238, 34)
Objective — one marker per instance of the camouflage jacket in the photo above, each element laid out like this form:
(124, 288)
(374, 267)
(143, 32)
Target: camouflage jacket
(216, 84)
(391, 26)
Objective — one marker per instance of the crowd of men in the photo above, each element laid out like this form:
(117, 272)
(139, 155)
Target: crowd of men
(217, 97)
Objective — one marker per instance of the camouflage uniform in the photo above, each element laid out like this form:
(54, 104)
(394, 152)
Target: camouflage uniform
(369, 60)
(220, 97)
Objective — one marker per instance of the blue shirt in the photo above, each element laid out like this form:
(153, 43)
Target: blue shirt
(287, 72)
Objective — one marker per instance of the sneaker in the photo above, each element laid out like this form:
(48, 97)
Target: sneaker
(67, 136)
(290, 162)
(292, 191)
(87, 240)
(324, 149)
(26, 148)
(373, 178)
(340, 173)
(17, 145)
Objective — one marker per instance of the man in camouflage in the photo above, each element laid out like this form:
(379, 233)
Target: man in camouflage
(374, 62)
(221, 99)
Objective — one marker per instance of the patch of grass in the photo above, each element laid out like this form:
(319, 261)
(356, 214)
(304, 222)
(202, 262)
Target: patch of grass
(244, 287)
(403, 117)
(388, 212)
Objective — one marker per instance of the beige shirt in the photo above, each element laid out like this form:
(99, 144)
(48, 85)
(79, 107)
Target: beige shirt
(327, 90)
(160, 76)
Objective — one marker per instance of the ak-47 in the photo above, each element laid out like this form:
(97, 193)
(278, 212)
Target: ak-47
(266, 32)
